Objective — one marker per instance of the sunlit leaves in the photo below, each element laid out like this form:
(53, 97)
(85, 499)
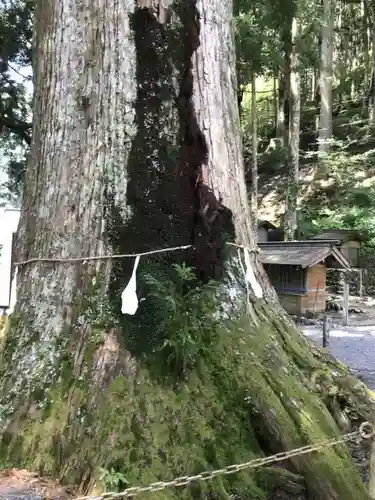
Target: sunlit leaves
(15, 110)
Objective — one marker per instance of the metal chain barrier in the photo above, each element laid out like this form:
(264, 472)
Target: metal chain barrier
(365, 431)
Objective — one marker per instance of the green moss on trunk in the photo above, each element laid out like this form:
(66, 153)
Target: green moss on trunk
(248, 397)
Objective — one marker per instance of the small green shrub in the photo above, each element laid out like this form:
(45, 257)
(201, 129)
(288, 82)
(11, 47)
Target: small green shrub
(184, 315)
(113, 480)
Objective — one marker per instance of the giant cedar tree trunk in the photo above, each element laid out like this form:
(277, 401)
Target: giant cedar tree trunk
(136, 132)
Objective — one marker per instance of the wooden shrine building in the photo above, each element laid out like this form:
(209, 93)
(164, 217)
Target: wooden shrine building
(297, 270)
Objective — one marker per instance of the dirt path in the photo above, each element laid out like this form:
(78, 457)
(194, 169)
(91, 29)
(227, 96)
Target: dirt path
(354, 344)
(17, 484)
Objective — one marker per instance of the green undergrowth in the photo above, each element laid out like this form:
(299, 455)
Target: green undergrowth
(246, 393)
(247, 399)
(335, 191)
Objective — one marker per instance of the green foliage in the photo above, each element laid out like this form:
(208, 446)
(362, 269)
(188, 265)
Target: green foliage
(256, 38)
(343, 194)
(97, 311)
(140, 431)
(183, 316)
(112, 480)
(15, 103)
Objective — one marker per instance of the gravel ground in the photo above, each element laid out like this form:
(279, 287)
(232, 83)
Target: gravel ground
(20, 496)
(19, 484)
(353, 345)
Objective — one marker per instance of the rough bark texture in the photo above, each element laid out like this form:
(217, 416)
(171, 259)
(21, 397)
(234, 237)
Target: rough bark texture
(371, 485)
(83, 132)
(290, 221)
(325, 124)
(254, 157)
(366, 47)
(287, 52)
(136, 146)
(371, 99)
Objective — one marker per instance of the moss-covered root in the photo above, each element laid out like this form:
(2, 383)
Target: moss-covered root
(276, 479)
(249, 397)
(292, 417)
(300, 415)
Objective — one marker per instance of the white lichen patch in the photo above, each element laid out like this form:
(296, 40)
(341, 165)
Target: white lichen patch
(38, 342)
(85, 114)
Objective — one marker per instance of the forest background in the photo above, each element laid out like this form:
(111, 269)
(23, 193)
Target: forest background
(305, 86)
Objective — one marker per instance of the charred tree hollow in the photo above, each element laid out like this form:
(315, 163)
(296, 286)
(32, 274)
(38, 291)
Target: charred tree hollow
(167, 178)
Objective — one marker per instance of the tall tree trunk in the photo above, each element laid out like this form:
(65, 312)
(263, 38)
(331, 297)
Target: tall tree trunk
(287, 45)
(313, 84)
(371, 110)
(136, 146)
(282, 126)
(317, 96)
(325, 125)
(254, 157)
(275, 99)
(354, 49)
(281, 97)
(290, 220)
(366, 49)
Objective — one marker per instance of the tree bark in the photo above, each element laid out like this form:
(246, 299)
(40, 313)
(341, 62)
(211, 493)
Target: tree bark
(371, 111)
(313, 84)
(275, 99)
(287, 47)
(366, 49)
(254, 158)
(317, 96)
(325, 125)
(136, 146)
(282, 126)
(281, 97)
(290, 220)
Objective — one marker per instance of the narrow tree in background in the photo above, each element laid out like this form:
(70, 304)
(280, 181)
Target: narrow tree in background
(325, 122)
(371, 93)
(254, 156)
(290, 220)
(366, 47)
(282, 127)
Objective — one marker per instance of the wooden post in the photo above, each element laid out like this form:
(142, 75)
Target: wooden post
(325, 331)
(360, 283)
(346, 302)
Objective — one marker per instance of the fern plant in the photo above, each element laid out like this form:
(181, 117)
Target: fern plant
(113, 480)
(185, 314)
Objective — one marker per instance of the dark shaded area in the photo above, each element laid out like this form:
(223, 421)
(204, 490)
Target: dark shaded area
(159, 218)
(157, 208)
(170, 203)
